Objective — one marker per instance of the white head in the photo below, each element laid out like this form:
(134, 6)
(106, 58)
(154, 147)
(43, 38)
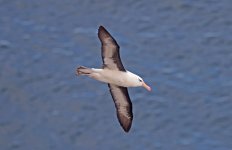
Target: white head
(138, 81)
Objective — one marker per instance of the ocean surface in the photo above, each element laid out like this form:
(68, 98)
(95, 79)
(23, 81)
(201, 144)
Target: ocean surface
(181, 48)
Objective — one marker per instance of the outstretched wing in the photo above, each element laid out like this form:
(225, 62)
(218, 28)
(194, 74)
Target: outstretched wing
(110, 51)
(123, 106)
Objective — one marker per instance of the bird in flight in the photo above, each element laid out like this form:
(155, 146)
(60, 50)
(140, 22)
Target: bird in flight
(116, 76)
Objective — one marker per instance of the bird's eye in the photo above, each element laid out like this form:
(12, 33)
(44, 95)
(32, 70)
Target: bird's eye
(140, 80)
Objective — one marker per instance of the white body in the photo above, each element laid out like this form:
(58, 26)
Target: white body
(120, 78)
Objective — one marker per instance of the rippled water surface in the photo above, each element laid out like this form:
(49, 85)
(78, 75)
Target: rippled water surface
(182, 48)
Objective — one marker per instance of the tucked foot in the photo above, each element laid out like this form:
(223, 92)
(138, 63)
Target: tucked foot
(83, 71)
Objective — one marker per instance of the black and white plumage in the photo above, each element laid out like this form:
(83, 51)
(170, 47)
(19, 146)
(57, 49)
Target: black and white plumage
(117, 77)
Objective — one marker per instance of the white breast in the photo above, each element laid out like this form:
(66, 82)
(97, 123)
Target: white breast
(119, 78)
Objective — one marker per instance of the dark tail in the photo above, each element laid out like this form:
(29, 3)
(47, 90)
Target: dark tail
(83, 71)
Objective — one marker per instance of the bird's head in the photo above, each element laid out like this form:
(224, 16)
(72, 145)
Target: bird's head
(142, 83)
(138, 81)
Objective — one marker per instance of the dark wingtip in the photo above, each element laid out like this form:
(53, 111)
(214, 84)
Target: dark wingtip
(101, 28)
(103, 33)
(127, 128)
(125, 122)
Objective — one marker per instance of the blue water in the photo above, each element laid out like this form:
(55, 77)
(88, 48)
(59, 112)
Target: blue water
(181, 48)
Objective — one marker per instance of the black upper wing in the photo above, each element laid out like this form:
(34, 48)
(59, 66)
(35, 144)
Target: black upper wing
(123, 106)
(110, 51)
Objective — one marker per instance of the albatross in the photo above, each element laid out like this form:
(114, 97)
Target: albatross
(116, 76)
